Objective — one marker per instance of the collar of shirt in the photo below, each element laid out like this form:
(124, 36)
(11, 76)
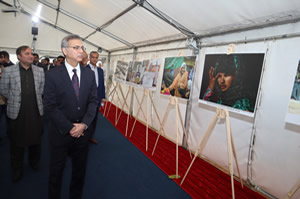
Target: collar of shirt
(22, 68)
(70, 70)
(95, 69)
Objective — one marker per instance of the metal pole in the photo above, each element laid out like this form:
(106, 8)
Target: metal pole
(86, 23)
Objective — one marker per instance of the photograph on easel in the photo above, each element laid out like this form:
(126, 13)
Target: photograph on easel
(133, 75)
(232, 80)
(150, 73)
(293, 114)
(178, 76)
(121, 71)
(143, 73)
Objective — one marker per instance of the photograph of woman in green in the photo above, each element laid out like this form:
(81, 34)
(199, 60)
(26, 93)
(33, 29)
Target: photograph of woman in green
(232, 80)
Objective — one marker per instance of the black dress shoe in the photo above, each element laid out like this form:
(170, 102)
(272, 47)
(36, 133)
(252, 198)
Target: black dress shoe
(17, 175)
(35, 165)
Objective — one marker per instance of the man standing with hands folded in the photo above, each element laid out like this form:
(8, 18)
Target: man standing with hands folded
(70, 100)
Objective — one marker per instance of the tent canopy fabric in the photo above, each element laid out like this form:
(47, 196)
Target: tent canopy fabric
(126, 24)
(137, 30)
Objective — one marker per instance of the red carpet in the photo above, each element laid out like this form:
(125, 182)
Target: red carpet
(202, 181)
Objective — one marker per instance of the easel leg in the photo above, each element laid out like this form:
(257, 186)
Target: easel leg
(293, 190)
(128, 113)
(139, 109)
(184, 131)
(177, 135)
(236, 161)
(112, 99)
(147, 127)
(107, 99)
(203, 142)
(229, 149)
(161, 126)
(124, 102)
(163, 123)
(118, 102)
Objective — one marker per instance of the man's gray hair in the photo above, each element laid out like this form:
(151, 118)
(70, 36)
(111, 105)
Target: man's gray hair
(66, 39)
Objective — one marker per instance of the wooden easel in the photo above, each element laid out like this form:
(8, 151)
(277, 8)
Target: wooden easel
(220, 113)
(124, 103)
(293, 190)
(138, 111)
(117, 86)
(107, 96)
(146, 94)
(172, 102)
(128, 115)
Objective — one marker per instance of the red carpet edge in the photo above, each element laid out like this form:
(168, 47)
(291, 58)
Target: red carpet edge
(203, 180)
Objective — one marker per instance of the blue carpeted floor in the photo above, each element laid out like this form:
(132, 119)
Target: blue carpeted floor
(116, 169)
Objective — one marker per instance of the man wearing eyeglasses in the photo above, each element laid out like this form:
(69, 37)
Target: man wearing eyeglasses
(70, 100)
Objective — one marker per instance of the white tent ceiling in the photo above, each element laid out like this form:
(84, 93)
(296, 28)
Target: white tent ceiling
(123, 24)
(118, 26)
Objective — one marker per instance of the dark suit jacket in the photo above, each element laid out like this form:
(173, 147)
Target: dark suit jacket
(44, 67)
(51, 66)
(101, 86)
(62, 107)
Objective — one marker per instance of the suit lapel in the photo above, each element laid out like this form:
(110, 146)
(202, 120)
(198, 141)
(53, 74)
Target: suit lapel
(67, 82)
(82, 82)
(17, 74)
(36, 79)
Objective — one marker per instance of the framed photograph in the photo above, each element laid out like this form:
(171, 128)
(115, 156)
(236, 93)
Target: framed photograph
(232, 81)
(178, 76)
(121, 71)
(293, 114)
(134, 74)
(149, 73)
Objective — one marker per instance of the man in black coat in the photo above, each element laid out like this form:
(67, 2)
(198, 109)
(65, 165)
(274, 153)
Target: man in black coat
(99, 76)
(36, 61)
(70, 100)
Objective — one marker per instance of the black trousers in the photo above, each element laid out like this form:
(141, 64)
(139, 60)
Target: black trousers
(17, 155)
(78, 151)
(92, 127)
(3, 121)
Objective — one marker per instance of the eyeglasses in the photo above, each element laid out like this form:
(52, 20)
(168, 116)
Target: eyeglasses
(76, 47)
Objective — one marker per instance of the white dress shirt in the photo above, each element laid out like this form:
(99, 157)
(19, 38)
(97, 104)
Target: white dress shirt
(94, 68)
(70, 70)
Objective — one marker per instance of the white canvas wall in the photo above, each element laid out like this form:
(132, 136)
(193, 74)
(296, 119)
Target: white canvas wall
(274, 167)
(277, 149)
(275, 164)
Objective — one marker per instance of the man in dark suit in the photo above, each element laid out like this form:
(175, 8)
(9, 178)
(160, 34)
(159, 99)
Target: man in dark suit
(36, 61)
(70, 100)
(85, 59)
(100, 88)
(4, 57)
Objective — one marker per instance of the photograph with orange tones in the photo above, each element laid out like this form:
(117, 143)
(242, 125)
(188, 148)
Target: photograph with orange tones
(178, 76)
